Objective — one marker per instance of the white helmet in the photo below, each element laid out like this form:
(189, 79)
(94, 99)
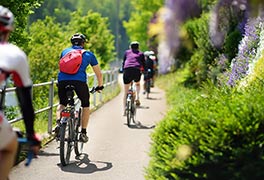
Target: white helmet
(6, 19)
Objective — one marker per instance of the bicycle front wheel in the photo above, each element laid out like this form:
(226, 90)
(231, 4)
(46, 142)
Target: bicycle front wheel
(65, 142)
(78, 145)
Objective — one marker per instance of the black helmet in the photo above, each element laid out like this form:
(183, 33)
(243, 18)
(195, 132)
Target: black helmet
(134, 45)
(78, 39)
(6, 19)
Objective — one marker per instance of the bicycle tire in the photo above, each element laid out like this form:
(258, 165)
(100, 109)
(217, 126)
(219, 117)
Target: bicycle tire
(78, 145)
(128, 110)
(133, 111)
(65, 143)
(148, 87)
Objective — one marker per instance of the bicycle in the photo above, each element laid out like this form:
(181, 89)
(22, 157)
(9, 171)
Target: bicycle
(131, 105)
(148, 81)
(70, 127)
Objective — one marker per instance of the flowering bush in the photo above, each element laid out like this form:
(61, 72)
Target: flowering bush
(246, 51)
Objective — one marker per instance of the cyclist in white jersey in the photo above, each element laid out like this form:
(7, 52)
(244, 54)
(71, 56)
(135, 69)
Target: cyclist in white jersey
(13, 62)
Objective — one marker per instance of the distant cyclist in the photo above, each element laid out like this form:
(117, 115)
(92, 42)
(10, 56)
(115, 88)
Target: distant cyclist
(132, 63)
(79, 81)
(13, 62)
(149, 68)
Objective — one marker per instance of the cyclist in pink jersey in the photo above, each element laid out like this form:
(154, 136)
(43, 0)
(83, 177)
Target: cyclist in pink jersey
(13, 62)
(133, 65)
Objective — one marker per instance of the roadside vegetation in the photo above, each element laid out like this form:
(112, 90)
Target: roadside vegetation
(214, 83)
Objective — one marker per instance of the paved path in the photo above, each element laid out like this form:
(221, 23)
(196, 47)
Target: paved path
(114, 151)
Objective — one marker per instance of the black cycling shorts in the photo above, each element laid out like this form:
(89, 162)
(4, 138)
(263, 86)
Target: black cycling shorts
(81, 90)
(131, 74)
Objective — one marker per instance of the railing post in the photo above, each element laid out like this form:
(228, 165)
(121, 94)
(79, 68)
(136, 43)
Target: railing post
(111, 81)
(94, 95)
(50, 111)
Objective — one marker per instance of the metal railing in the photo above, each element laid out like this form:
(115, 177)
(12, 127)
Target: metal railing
(110, 81)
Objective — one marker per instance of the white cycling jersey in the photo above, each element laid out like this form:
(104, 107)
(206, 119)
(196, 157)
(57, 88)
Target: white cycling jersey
(14, 61)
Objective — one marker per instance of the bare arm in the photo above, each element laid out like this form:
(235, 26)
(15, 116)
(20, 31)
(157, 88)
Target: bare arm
(98, 74)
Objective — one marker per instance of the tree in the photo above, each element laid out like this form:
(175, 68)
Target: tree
(137, 26)
(21, 10)
(96, 28)
(47, 41)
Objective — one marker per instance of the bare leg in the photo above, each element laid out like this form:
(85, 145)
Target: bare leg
(58, 112)
(126, 87)
(85, 117)
(7, 158)
(137, 89)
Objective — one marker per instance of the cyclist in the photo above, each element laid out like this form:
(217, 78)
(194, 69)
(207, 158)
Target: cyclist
(133, 61)
(149, 68)
(79, 81)
(153, 57)
(14, 63)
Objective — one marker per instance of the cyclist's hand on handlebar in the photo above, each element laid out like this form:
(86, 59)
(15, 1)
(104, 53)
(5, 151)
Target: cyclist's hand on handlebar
(97, 89)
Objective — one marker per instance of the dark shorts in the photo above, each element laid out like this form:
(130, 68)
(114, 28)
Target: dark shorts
(81, 90)
(131, 74)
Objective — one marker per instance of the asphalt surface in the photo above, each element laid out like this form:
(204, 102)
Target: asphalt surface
(114, 151)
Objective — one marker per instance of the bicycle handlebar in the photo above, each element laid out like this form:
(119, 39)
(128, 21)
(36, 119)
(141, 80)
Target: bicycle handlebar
(96, 89)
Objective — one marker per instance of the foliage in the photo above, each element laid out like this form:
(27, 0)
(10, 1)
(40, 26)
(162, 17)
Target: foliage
(21, 10)
(203, 53)
(99, 37)
(44, 49)
(215, 134)
(137, 25)
(116, 11)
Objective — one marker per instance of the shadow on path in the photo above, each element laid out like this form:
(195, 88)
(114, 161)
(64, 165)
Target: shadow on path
(138, 125)
(83, 165)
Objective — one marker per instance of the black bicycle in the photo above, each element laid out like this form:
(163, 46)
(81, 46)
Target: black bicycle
(131, 105)
(70, 127)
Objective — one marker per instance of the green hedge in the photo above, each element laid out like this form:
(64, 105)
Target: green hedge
(217, 134)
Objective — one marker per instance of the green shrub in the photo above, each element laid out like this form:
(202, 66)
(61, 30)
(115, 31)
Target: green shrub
(217, 134)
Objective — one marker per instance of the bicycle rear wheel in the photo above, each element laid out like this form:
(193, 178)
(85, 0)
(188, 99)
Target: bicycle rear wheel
(148, 87)
(128, 110)
(133, 112)
(65, 142)
(78, 145)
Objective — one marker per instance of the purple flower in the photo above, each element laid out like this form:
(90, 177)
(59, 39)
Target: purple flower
(246, 51)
